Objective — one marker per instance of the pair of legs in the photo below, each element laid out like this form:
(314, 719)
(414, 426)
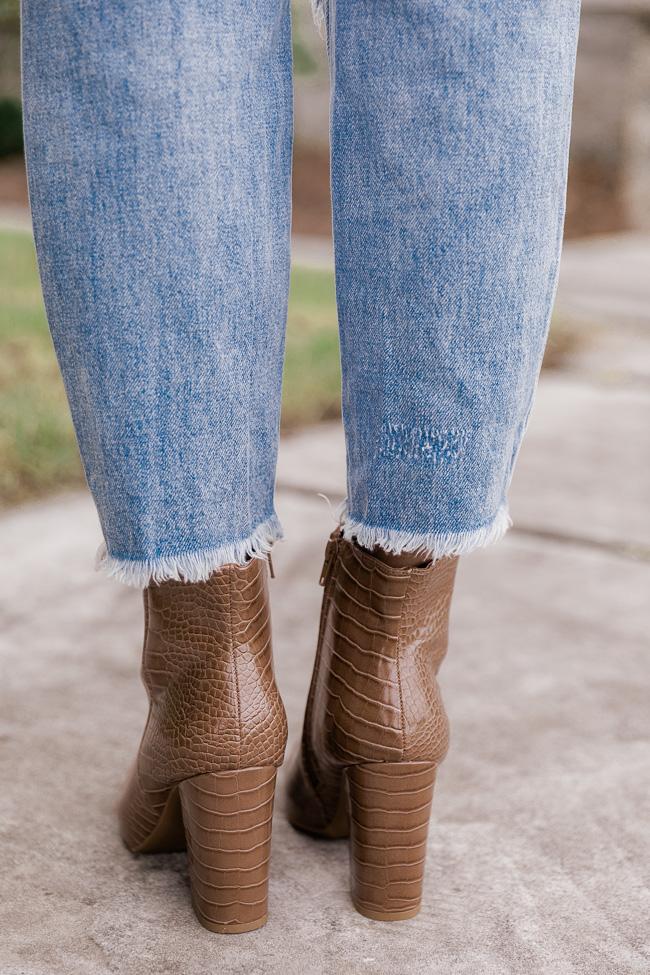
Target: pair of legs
(159, 151)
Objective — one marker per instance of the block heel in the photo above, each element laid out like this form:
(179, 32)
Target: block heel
(227, 821)
(390, 805)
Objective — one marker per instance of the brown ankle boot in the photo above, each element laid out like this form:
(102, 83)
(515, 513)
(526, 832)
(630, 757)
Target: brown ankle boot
(216, 732)
(375, 727)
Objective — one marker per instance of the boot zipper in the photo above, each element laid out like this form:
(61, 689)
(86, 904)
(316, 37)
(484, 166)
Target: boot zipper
(330, 559)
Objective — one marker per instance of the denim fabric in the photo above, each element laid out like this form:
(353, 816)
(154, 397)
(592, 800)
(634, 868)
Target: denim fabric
(159, 152)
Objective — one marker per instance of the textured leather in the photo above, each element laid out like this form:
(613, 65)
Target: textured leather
(374, 695)
(227, 818)
(214, 705)
(389, 822)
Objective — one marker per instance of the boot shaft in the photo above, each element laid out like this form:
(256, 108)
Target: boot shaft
(208, 670)
(383, 635)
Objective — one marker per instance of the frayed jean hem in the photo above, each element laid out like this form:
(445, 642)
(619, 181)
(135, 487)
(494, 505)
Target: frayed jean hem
(434, 545)
(192, 566)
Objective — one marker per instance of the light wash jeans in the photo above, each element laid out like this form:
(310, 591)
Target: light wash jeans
(159, 152)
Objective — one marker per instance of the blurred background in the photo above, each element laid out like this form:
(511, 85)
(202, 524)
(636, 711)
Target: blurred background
(609, 194)
(539, 844)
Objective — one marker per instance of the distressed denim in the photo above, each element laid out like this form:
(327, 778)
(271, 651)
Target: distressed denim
(158, 142)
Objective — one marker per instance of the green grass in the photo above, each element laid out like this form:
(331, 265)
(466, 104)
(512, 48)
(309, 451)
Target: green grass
(38, 452)
(312, 375)
(37, 446)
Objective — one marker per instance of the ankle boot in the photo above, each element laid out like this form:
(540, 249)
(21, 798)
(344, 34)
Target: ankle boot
(375, 728)
(204, 777)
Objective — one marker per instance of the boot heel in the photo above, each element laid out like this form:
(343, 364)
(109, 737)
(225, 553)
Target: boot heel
(390, 804)
(227, 820)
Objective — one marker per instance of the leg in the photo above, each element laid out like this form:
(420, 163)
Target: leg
(158, 141)
(450, 130)
(449, 149)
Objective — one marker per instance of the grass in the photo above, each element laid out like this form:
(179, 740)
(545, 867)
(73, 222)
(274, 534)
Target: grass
(37, 446)
(38, 452)
(312, 375)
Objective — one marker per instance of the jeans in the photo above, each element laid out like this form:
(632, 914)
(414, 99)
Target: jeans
(158, 141)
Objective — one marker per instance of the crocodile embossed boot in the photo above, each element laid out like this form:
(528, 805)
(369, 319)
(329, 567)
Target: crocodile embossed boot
(204, 777)
(375, 728)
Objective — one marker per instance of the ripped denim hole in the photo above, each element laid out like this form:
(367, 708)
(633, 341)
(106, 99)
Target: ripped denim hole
(421, 443)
